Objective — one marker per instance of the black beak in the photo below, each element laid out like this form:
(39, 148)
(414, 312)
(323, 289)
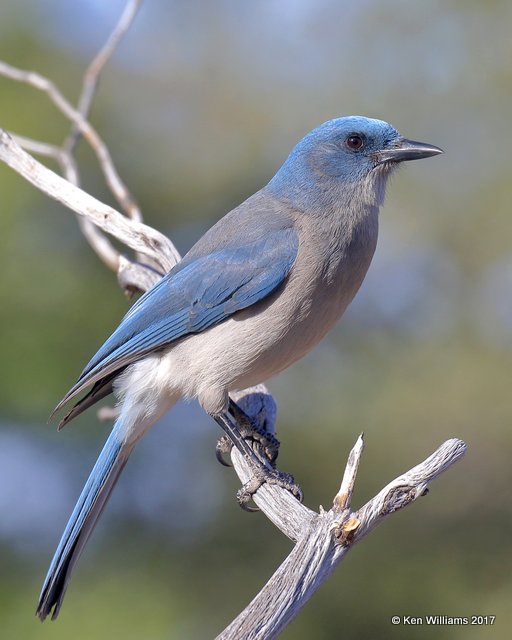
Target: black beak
(404, 149)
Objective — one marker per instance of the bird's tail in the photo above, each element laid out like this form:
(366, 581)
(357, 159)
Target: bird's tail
(88, 509)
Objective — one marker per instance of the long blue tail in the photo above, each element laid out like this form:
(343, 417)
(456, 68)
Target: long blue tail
(88, 509)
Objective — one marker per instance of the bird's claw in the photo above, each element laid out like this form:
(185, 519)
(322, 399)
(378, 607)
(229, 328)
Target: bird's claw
(260, 449)
(266, 444)
(270, 476)
(223, 450)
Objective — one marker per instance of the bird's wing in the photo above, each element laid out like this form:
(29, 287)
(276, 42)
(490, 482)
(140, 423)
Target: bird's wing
(198, 293)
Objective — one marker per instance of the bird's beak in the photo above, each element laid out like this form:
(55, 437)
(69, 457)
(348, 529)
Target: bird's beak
(404, 149)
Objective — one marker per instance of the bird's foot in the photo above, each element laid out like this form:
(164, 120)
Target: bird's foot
(259, 448)
(262, 475)
(264, 443)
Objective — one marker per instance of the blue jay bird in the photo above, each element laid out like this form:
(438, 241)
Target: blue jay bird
(257, 292)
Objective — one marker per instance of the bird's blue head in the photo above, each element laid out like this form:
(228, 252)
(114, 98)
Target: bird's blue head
(341, 157)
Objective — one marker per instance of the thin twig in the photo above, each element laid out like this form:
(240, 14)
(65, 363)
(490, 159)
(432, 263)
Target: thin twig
(133, 234)
(92, 74)
(408, 487)
(104, 249)
(40, 148)
(116, 185)
(343, 498)
(101, 245)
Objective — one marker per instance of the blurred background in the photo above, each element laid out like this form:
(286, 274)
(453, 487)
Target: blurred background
(199, 106)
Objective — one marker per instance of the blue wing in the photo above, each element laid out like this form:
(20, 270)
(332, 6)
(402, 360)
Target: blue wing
(200, 292)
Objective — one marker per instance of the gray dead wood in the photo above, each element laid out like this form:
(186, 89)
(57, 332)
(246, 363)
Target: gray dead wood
(323, 539)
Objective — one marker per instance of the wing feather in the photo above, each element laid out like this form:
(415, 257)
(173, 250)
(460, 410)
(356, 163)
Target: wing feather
(198, 293)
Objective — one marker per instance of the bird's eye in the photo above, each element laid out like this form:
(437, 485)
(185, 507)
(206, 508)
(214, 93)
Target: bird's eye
(354, 142)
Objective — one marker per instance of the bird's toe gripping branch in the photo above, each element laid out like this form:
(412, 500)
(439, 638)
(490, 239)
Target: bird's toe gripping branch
(265, 444)
(260, 447)
(262, 475)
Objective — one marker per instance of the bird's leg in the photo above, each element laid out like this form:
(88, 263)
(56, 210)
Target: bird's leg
(263, 469)
(266, 444)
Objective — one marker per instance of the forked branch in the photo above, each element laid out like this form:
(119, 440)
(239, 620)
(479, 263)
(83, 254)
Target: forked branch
(323, 539)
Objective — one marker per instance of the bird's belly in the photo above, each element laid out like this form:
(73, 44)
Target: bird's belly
(252, 346)
(289, 340)
(266, 338)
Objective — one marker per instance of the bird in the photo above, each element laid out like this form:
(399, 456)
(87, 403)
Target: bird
(256, 293)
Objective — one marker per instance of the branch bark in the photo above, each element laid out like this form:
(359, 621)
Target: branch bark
(323, 539)
(116, 185)
(133, 234)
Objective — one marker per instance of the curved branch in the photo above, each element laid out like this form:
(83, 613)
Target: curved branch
(136, 235)
(92, 74)
(100, 244)
(116, 185)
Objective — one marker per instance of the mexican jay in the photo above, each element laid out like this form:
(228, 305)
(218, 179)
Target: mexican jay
(258, 291)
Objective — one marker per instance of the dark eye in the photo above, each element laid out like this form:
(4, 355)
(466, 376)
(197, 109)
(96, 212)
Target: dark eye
(354, 142)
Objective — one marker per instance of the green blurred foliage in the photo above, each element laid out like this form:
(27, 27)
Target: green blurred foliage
(199, 107)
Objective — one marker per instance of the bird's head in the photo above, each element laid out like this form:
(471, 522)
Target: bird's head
(343, 155)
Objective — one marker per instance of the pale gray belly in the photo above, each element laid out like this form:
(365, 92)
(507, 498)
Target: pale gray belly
(263, 340)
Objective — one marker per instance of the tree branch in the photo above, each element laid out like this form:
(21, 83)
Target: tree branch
(133, 234)
(116, 185)
(92, 74)
(324, 538)
(133, 278)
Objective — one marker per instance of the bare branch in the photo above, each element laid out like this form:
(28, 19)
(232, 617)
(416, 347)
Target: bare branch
(113, 179)
(343, 498)
(324, 539)
(101, 245)
(64, 155)
(103, 248)
(98, 241)
(133, 234)
(40, 148)
(92, 74)
(132, 278)
(407, 487)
